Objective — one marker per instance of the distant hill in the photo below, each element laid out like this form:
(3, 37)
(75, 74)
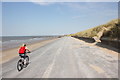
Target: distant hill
(110, 30)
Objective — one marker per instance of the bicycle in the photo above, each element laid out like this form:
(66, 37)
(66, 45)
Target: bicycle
(23, 62)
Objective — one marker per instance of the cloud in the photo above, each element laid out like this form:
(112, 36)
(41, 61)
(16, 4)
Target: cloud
(49, 2)
(43, 2)
(76, 6)
(60, 1)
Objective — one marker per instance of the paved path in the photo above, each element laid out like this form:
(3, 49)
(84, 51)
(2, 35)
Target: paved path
(66, 57)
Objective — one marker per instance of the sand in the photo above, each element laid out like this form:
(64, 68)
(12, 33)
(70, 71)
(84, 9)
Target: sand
(12, 53)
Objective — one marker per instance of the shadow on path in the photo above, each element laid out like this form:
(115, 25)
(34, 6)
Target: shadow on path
(108, 47)
(105, 44)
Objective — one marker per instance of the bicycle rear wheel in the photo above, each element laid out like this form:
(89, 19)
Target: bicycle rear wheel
(20, 65)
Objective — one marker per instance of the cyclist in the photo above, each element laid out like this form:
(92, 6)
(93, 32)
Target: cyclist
(22, 51)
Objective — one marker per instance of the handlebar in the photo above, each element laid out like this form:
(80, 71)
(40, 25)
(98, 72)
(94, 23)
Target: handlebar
(28, 52)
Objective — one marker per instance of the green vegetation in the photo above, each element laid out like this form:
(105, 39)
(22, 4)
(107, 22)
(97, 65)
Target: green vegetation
(110, 30)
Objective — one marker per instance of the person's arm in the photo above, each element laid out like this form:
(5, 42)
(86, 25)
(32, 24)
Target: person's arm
(27, 49)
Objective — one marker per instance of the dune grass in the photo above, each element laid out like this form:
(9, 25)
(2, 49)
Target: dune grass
(110, 30)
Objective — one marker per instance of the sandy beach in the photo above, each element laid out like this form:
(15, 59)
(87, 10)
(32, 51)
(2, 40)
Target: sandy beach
(12, 53)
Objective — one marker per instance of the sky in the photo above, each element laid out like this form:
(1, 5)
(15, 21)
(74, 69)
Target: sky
(54, 18)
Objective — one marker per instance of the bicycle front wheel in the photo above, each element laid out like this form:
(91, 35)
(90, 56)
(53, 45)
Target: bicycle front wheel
(27, 60)
(20, 65)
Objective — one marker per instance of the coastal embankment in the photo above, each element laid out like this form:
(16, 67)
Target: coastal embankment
(106, 34)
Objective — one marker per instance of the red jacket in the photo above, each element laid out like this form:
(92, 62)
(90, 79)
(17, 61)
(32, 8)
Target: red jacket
(22, 50)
